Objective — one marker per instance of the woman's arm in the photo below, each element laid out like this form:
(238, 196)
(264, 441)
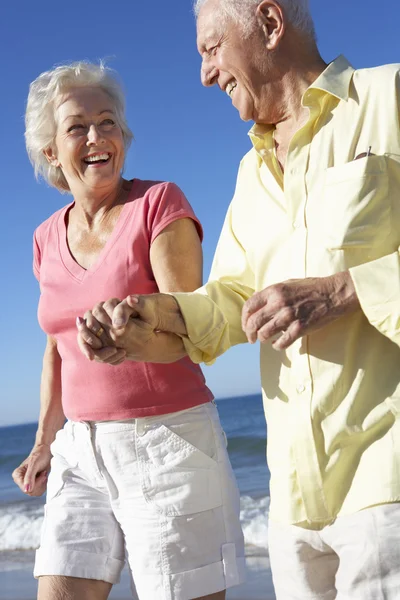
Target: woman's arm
(176, 258)
(177, 263)
(31, 475)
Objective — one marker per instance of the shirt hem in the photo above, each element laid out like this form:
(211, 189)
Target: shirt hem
(318, 523)
(135, 413)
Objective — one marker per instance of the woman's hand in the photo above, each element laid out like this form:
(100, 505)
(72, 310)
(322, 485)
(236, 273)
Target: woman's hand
(94, 339)
(31, 475)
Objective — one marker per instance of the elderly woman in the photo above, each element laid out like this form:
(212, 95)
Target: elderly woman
(140, 470)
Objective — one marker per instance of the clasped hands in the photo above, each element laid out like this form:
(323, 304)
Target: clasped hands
(282, 313)
(111, 332)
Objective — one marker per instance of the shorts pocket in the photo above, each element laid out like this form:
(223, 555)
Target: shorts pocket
(180, 471)
(357, 211)
(63, 459)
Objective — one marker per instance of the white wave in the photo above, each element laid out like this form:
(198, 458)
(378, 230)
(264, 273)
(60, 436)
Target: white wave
(20, 524)
(254, 518)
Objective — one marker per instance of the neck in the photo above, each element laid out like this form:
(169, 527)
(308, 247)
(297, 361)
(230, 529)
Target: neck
(91, 205)
(292, 77)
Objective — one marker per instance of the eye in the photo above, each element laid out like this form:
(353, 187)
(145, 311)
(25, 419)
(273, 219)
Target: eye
(108, 123)
(212, 51)
(75, 127)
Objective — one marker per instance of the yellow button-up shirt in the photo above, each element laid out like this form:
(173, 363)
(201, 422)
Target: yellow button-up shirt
(332, 400)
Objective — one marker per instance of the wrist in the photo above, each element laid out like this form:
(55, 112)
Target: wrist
(170, 318)
(45, 437)
(345, 291)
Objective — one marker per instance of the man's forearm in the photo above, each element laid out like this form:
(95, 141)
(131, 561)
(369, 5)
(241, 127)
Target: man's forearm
(170, 318)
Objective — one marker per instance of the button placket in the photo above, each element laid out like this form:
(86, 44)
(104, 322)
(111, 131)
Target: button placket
(304, 449)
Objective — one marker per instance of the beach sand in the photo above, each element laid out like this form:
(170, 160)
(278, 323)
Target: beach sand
(17, 583)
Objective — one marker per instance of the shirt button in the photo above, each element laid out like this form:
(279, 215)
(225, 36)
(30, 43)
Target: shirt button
(296, 225)
(301, 388)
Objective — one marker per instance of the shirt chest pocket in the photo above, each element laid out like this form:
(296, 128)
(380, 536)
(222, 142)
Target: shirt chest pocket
(357, 210)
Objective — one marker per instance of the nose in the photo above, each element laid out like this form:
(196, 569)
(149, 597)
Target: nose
(94, 136)
(208, 74)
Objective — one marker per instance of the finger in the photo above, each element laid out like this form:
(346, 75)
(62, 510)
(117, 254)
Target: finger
(19, 476)
(109, 306)
(30, 476)
(118, 358)
(96, 327)
(87, 335)
(105, 355)
(118, 362)
(293, 333)
(277, 324)
(123, 312)
(253, 304)
(86, 350)
(255, 322)
(39, 485)
(99, 312)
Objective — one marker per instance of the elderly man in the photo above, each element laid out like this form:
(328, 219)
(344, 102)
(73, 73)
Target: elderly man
(308, 262)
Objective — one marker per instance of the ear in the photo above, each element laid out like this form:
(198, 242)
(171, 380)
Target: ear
(51, 157)
(273, 22)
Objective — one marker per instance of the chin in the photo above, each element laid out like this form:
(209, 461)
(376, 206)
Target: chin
(245, 115)
(245, 118)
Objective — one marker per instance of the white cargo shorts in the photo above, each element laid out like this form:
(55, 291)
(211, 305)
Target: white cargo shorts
(158, 492)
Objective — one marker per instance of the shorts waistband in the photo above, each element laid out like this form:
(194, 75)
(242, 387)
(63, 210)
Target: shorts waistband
(130, 424)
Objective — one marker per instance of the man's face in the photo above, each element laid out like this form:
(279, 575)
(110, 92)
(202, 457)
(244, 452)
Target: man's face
(238, 65)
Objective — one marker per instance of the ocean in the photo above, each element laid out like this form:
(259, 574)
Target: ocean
(244, 424)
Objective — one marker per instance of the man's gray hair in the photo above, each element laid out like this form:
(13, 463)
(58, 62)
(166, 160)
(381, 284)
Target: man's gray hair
(40, 121)
(243, 12)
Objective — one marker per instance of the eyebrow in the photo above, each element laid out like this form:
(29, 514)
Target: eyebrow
(106, 110)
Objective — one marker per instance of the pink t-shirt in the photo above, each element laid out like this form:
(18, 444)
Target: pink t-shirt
(98, 392)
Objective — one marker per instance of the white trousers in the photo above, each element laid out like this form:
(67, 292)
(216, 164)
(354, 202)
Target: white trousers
(355, 558)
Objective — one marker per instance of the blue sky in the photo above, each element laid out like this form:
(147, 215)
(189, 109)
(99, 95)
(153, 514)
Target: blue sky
(184, 133)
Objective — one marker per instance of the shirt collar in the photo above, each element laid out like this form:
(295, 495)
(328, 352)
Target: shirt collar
(334, 80)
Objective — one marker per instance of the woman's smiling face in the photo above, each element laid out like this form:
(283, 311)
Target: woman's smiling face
(89, 145)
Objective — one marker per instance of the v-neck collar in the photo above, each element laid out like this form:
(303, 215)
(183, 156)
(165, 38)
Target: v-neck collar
(75, 269)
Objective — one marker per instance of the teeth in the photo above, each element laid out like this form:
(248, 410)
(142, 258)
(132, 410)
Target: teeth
(97, 157)
(230, 88)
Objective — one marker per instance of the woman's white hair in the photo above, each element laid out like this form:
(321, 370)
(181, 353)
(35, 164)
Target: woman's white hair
(40, 122)
(243, 12)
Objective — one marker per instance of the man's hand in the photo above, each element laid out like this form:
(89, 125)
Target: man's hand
(146, 327)
(99, 340)
(297, 307)
(159, 311)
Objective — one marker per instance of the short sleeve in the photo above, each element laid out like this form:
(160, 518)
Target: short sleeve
(37, 256)
(167, 203)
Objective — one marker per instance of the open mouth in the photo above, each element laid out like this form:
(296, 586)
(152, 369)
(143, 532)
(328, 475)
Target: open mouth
(230, 88)
(97, 159)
